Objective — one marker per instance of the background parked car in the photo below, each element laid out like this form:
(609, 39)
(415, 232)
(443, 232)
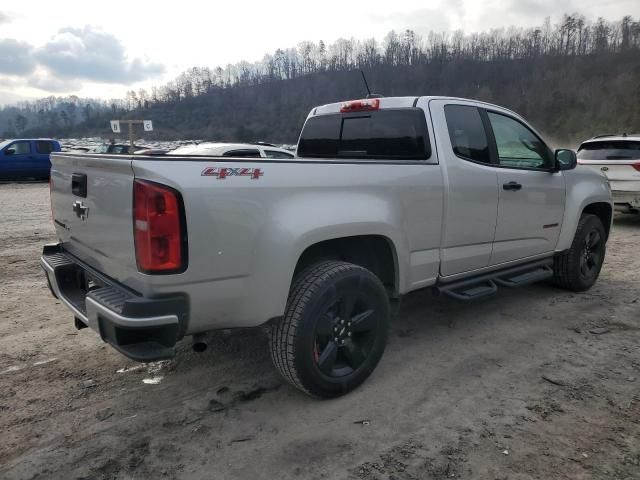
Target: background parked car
(617, 157)
(116, 149)
(26, 158)
(151, 151)
(255, 150)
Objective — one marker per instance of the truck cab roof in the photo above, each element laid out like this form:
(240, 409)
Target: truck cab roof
(397, 102)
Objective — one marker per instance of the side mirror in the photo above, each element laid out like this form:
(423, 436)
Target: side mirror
(10, 151)
(565, 159)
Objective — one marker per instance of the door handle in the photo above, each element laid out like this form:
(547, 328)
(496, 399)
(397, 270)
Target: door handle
(79, 185)
(511, 186)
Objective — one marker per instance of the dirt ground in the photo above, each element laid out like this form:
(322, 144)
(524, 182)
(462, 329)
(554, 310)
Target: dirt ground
(534, 383)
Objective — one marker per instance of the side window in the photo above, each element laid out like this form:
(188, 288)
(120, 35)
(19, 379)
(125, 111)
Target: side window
(246, 152)
(518, 147)
(276, 154)
(44, 147)
(467, 133)
(119, 149)
(21, 148)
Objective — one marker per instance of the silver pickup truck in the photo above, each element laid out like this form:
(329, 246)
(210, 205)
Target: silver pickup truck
(385, 196)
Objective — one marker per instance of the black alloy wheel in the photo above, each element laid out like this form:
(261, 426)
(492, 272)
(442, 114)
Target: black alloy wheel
(334, 330)
(345, 335)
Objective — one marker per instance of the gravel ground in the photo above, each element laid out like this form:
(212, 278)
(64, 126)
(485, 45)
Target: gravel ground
(536, 383)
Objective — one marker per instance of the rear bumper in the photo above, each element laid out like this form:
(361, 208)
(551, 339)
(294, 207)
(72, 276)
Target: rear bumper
(632, 199)
(143, 329)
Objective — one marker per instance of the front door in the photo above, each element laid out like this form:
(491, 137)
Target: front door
(531, 196)
(471, 186)
(20, 160)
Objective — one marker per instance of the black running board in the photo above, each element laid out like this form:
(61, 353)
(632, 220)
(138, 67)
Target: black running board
(487, 284)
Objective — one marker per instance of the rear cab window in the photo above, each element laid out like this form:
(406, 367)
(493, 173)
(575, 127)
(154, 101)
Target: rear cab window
(244, 152)
(387, 134)
(277, 154)
(610, 150)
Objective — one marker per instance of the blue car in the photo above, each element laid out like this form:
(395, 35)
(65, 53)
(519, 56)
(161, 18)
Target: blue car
(26, 158)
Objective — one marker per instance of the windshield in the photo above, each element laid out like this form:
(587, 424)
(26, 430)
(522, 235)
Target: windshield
(610, 150)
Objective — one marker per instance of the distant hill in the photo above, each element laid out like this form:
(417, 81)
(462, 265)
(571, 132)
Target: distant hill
(572, 81)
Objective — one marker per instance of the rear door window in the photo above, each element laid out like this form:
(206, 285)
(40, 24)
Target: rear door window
(44, 147)
(393, 134)
(610, 150)
(119, 149)
(467, 133)
(277, 154)
(244, 152)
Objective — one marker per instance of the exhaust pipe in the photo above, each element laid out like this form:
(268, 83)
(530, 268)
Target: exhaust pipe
(200, 342)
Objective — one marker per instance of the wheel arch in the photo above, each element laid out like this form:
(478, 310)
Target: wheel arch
(376, 253)
(586, 193)
(603, 211)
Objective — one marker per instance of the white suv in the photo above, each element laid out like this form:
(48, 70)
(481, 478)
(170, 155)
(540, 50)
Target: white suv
(216, 149)
(617, 157)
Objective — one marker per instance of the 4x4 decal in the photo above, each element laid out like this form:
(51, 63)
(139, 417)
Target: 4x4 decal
(224, 172)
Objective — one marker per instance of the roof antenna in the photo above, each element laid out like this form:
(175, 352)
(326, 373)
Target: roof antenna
(366, 84)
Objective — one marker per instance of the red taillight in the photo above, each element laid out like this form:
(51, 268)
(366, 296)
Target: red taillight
(360, 105)
(157, 227)
(636, 166)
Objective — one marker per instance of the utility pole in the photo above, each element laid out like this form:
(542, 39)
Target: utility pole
(147, 126)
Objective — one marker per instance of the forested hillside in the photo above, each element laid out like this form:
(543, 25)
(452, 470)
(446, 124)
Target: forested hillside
(572, 80)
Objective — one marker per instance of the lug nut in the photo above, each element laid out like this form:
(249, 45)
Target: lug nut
(341, 322)
(349, 334)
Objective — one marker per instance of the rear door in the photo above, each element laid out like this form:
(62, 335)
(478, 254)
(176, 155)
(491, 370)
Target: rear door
(531, 197)
(43, 149)
(471, 186)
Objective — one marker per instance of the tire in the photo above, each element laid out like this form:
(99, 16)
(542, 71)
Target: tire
(578, 268)
(334, 330)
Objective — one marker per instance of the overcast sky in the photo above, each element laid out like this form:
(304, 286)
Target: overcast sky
(101, 49)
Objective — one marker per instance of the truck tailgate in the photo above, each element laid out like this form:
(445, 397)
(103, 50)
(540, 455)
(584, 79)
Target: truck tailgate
(91, 202)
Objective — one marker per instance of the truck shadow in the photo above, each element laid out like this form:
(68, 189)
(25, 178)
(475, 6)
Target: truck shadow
(9, 181)
(626, 220)
(241, 357)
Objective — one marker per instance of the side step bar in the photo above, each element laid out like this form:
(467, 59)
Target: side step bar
(487, 284)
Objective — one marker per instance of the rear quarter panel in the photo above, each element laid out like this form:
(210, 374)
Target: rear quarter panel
(246, 235)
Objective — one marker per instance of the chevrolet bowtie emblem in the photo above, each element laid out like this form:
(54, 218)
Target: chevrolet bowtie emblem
(80, 210)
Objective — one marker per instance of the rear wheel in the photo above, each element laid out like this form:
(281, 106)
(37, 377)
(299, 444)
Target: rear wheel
(578, 268)
(334, 330)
